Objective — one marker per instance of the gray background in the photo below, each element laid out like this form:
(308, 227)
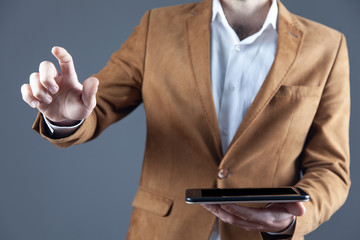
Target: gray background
(85, 192)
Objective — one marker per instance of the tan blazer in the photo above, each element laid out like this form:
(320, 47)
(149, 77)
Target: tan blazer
(298, 121)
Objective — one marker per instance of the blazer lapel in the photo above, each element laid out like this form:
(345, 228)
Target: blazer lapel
(198, 36)
(289, 41)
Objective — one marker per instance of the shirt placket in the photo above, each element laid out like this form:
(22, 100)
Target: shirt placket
(230, 98)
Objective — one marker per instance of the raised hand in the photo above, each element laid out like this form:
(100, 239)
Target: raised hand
(60, 96)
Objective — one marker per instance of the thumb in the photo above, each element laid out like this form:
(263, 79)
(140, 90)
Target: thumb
(296, 208)
(90, 87)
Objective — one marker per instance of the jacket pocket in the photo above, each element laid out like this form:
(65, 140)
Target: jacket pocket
(299, 91)
(153, 202)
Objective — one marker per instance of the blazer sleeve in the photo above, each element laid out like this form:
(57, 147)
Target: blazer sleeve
(119, 92)
(325, 158)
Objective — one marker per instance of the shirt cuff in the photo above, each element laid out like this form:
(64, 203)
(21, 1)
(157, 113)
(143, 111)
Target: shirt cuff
(61, 131)
(287, 231)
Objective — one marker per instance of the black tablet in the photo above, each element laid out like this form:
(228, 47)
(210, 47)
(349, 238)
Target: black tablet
(245, 195)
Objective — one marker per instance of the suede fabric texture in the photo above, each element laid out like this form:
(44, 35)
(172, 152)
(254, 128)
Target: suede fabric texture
(299, 121)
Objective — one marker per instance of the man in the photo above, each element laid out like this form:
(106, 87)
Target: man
(237, 94)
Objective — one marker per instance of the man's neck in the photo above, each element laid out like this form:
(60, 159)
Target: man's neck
(246, 17)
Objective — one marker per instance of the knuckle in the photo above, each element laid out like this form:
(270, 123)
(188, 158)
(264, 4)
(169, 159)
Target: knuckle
(252, 218)
(246, 218)
(268, 220)
(37, 91)
(66, 57)
(231, 220)
(213, 209)
(69, 57)
(27, 100)
(271, 221)
(45, 81)
(37, 94)
(216, 211)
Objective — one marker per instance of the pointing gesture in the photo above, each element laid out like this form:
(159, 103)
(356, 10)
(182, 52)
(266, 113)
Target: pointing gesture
(60, 96)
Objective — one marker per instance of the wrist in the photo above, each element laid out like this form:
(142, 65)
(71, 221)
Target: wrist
(65, 123)
(57, 131)
(287, 231)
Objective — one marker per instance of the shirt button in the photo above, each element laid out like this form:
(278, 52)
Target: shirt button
(231, 88)
(237, 47)
(223, 173)
(223, 133)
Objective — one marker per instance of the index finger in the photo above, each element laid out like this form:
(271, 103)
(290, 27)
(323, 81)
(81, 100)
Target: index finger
(65, 60)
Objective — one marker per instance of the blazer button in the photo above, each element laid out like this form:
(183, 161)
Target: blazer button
(223, 173)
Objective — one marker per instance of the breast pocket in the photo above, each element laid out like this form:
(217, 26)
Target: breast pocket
(153, 202)
(296, 106)
(299, 103)
(299, 91)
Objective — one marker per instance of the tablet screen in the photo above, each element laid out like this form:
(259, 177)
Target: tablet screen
(247, 192)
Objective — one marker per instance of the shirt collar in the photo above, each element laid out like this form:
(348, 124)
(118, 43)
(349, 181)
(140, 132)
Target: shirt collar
(271, 18)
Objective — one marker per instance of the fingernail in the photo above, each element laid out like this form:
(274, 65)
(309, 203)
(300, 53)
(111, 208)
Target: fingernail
(53, 89)
(34, 103)
(47, 100)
